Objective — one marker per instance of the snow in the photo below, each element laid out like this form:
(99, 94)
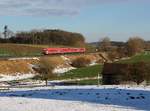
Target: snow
(72, 80)
(17, 76)
(65, 58)
(93, 63)
(76, 98)
(64, 68)
(24, 58)
(59, 70)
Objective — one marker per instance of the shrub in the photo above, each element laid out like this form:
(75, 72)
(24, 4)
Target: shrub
(114, 73)
(81, 62)
(138, 72)
(113, 55)
(135, 45)
(46, 69)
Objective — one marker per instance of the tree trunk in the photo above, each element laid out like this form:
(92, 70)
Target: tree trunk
(46, 82)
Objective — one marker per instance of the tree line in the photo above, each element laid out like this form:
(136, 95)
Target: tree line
(120, 73)
(47, 37)
(133, 46)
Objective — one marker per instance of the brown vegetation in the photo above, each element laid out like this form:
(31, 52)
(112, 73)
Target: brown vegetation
(23, 66)
(132, 47)
(104, 44)
(81, 62)
(135, 45)
(117, 73)
(16, 66)
(46, 68)
(48, 37)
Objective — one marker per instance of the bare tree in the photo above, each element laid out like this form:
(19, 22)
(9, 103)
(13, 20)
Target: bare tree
(138, 72)
(46, 69)
(135, 45)
(122, 52)
(113, 54)
(104, 44)
(81, 62)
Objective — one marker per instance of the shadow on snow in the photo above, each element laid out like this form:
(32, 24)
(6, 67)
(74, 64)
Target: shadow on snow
(136, 99)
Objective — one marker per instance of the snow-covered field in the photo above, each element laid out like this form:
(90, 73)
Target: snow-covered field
(76, 98)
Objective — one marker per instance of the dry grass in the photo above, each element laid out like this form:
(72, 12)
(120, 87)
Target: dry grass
(55, 60)
(90, 57)
(16, 66)
(81, 62)
(11, 67)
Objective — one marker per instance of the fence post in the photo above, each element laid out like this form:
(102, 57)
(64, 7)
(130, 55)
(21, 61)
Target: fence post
(98, 77)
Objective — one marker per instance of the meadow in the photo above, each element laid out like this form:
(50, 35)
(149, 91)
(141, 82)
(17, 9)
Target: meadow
(142, 57)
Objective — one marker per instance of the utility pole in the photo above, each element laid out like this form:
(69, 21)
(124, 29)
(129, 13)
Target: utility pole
(5, 31)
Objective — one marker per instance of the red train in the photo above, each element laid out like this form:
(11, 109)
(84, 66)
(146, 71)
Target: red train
(48, 51)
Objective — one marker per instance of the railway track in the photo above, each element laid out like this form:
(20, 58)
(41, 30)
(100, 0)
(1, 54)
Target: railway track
(53, 55)
(41, 55)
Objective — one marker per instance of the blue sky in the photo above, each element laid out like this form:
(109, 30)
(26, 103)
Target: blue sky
(95, 19)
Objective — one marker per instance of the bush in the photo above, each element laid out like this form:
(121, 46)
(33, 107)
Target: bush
(135, 45)
(81, 62)
(137, 72)
(46, 69)
(113, 55)
(114, 73)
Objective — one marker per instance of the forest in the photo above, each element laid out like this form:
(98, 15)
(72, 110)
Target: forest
(46, 37)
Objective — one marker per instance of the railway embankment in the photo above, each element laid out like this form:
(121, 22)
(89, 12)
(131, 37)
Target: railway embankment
(15, 66)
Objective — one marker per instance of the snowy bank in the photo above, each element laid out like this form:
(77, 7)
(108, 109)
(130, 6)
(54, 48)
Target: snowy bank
(24, 58)
(15, 77)
(59, 70)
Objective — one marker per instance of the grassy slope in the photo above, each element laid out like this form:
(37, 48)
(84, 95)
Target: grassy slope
(145, 56)
(90, 71)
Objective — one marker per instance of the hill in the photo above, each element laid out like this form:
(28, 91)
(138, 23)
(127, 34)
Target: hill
(114, 43)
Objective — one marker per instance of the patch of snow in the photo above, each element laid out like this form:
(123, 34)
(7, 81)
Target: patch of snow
(72, 80)
(32, 66)
(59, 70)
(93, 63)
(15, 77)
(65, 58)
(125, 58)
(24, 58)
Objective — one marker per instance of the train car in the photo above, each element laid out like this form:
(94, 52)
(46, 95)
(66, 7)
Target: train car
(50, 51)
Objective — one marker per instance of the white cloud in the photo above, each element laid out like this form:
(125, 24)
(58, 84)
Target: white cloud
(46, 7)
